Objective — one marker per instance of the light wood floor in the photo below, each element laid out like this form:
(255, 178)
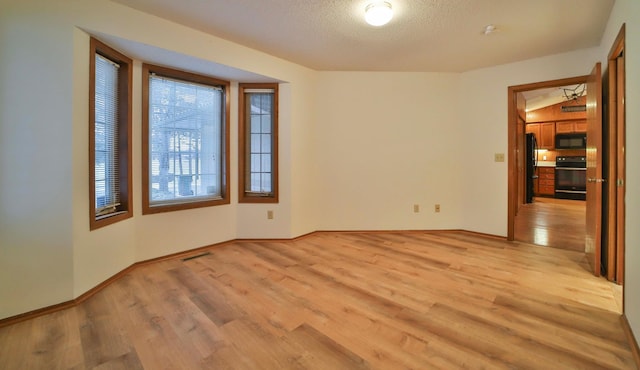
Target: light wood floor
(558, 223)
(340, 301)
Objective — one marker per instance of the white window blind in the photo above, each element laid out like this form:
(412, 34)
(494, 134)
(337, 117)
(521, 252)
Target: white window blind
(186, 136)
(258, 171)
(107, 192)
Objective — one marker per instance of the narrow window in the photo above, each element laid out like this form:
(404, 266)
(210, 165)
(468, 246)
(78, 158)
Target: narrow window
(109, 136)
(258, 143)
(185, 140)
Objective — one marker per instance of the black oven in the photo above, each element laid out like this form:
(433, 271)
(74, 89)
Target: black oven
(571, 177)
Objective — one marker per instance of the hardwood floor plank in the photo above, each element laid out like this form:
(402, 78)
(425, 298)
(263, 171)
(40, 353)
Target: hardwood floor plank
(582, 318)
(54, 342)
(256, 348)
(207, 297)
(321, 352)
(125, 362)
(569, 339)
(420, 300)
(558, 223)
(452, 336)
(150, 323)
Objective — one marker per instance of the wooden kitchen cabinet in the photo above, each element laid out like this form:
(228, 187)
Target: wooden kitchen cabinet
(533, 128)
(566, 127)
(581, 126)
(546, 182)
(545, 134)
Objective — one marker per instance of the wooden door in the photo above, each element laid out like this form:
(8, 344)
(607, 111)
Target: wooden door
(593, 235)
(620, 179)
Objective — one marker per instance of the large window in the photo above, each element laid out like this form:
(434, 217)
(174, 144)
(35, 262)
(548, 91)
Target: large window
(109, 136)
(185, 140)
(258, 143)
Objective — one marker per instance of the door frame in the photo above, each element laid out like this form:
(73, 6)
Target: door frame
(513, 144)
(616, 152)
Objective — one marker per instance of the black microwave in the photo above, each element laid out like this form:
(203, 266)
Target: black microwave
(571, 141)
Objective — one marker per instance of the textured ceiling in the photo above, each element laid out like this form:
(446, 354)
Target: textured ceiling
(424, 35)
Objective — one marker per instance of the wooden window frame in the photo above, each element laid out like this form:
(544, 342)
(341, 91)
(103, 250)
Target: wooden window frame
(147, 208)
(125, 78)
(243, 160)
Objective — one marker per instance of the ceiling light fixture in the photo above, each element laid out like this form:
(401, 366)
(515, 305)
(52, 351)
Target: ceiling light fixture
(575, 93)
(378, 13)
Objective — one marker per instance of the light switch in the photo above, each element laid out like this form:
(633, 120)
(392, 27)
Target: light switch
(499, 157)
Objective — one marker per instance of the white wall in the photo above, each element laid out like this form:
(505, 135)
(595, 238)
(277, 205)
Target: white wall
(305, 183)
(36, 156)
(628, 11)
(384, 142)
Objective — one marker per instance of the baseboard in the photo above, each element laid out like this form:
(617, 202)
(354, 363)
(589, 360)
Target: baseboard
(38, 312)
(485, 235)
(434, 231)
(632, 339)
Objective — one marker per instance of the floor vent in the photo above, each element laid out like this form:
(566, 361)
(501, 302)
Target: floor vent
(196, 256)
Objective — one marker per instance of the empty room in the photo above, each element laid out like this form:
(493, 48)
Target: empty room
(280, 184)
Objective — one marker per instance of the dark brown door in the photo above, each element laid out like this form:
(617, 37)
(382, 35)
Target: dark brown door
(593, 235)
(620, 179)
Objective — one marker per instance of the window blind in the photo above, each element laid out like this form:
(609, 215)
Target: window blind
(107, 192)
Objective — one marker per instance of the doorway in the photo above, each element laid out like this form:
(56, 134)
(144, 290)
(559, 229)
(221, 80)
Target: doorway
(517, 115)
(552, 212)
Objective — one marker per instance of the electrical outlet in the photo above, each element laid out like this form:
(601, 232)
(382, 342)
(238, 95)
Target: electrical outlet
(437, 208)
(416, 208)
(499, 157)
(269, 215)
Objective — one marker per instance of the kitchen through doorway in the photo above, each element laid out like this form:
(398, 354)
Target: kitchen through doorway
(552, 166)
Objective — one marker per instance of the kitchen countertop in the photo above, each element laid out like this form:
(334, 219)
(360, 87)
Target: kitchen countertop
(546, 163)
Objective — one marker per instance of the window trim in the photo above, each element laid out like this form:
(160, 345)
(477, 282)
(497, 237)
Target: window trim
(243, 195)
(125, 78)
(147, 208)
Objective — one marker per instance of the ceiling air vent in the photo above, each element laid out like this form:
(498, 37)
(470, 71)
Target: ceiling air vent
(574, 108)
